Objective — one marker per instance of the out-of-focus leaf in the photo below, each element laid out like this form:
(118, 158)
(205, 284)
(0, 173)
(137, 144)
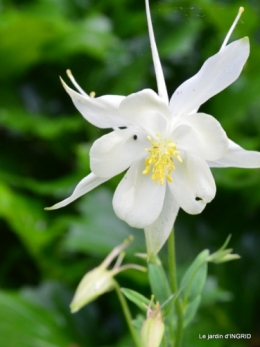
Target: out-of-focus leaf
(58, 188)
(137, 298)
(194, 278)
(21, 122)
(168, 305)
(212, 293)
(45, 309)
(56, 9)
(92, 36)
(179, 42)
(191, 311)
(158, 281)
(25, 216)
(22, 39)
(44, 37)
(25, 324)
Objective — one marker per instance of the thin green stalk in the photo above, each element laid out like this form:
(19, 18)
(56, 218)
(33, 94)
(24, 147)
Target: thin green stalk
(164, 342)
(170, 323)
(127, 314)
(174, 287)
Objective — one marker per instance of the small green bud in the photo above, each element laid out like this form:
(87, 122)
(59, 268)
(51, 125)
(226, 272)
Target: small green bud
(101, 280)
(92, 285)
(227, 257)
(153, 327)
(223, 254)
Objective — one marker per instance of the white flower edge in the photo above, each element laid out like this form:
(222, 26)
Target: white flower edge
(103, 112)
(85, 185)
(216, 74)
(237, 156)
(157, 233)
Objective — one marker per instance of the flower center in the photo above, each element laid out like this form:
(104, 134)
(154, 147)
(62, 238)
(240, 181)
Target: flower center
(160, 161)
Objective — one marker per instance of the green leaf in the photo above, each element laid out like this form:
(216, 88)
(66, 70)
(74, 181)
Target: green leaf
(25, 324)
(191, 311)
(177, 43)
(194, 278)
(56, 9)
(137, 298)
(213, 293)
(92, 36)
(168, 305)
(46, 128)
(23, 36)
(158, 281)
(26, 218)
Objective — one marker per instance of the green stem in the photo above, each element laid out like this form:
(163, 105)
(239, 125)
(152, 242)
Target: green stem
(174, 287)
(127, 314)
(164, 342)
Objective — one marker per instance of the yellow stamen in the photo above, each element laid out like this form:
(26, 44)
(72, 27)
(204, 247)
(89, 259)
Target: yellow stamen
(160, 161)
(169, 179)
(179, 158)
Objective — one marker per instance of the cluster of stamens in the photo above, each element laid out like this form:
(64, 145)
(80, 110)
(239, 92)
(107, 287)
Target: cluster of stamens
(160, 161)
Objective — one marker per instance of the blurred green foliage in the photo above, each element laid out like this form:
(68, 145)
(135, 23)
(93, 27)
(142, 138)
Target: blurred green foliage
(44, 153)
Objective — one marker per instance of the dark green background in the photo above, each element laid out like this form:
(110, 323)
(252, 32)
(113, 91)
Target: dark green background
(44, 153)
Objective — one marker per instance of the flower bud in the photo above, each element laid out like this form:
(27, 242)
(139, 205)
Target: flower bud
(92, 285)
(227, 257)
(153, 328)
(101, 280)
(223, 254)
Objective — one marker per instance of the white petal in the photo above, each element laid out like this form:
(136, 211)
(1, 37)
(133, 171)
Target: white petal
(206, 136)
(102, 112)
(217, 73)
(193, 185)
(137, 199)
(146, 110)
(117, 151)
(237, 156)
(162, 90)
(85, 185)
(157, 233)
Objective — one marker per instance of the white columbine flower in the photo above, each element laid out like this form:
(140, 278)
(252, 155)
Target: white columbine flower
(167, 146)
